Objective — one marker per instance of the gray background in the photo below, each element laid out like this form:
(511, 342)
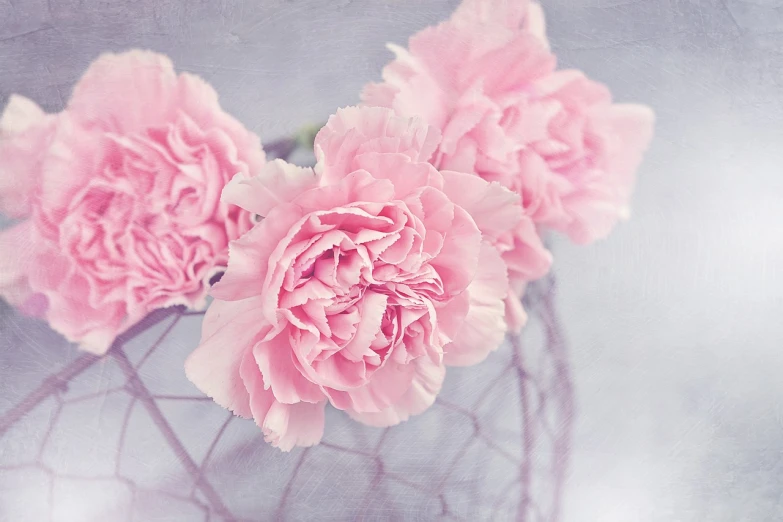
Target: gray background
(674, 322)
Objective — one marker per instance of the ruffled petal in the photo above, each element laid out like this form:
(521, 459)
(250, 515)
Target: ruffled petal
(127, 92)
(516, 316)
(407, 177)
(19, 245)
(499, 13)
(495, 209)
(385, 388)
(354, 131)
(357, 186)
(275, 359)
(528, 258)
(420, 395)
(484, 327)
(228, 333)
(602, 197)
(458, 259)
(535, 22)
(285, 426)
(25, 135)
(278, 182)
(248, 256)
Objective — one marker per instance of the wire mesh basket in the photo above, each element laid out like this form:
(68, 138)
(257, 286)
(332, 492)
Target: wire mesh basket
(127, 437)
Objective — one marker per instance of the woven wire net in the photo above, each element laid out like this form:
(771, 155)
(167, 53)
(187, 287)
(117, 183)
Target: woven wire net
(127, 437)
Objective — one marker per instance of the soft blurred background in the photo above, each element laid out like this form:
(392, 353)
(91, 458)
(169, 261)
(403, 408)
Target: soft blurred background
(673, 323)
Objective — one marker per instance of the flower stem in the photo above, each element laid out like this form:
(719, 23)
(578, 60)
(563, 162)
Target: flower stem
(283, 148)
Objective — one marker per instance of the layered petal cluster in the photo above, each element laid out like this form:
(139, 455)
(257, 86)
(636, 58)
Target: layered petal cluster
(365, 277)
(487, 79)
(121, 195)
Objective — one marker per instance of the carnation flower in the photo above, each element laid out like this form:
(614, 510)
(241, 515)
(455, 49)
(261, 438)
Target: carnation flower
(124, 190)
(354, 131)
(487, 80)
(366, 276)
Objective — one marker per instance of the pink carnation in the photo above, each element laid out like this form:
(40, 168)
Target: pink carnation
(487, 80)
(364, 278)
(353, 132)
(124, 187)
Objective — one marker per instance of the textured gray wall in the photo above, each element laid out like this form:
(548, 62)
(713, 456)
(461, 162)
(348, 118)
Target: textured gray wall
(674, 322)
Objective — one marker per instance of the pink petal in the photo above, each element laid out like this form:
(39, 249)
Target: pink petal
(137, 87)
(354, 131)
(461, 123)
(278, 182)
(452, 314)
(407, 177)
(494, 208)
(527, 259)
(70, 312)
(347, 370)
(599, 203)
(439, 53)
(285, 426)
(275, 360)
(484, 327)
(425, 99)
(19, 245)
(419, 395)
(511, 67)
(229, 331)
(388, 384)
(438, 211)
(248, 257)
(25, 134)
(501, 13)
(535, 22)
(633, 125)
(199, 101)
(458, 259)
(516, 317)
(373, 306)
(357, 186)
(19, 115)
(378, 95)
